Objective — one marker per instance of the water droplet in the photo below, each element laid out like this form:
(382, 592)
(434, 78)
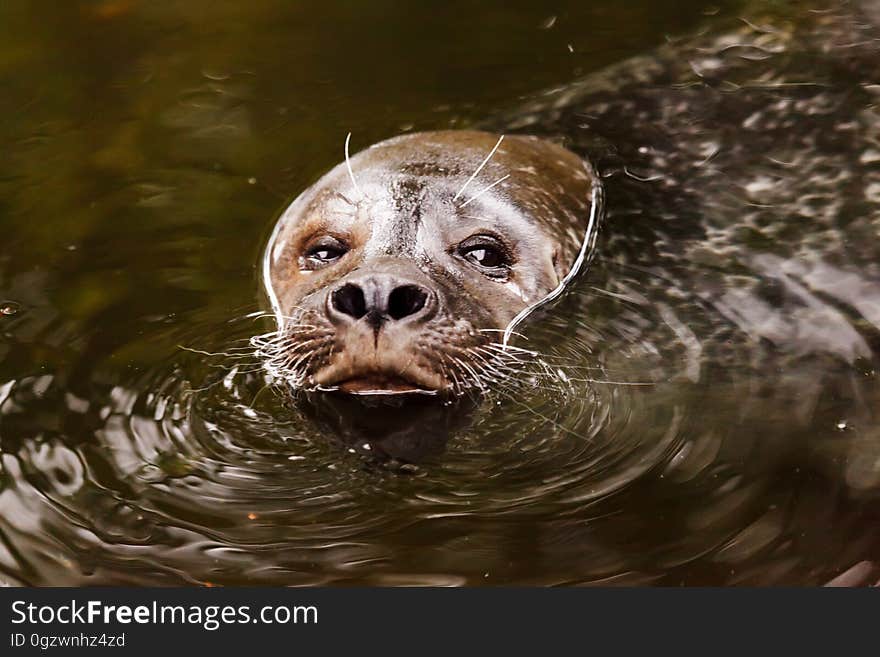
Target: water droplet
(841, 426)
(9, 307)
(252, 181)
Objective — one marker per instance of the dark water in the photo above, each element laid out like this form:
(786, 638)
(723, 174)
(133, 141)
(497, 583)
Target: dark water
(148, 149)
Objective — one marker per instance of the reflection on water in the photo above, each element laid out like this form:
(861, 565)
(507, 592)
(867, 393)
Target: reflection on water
(149, 147)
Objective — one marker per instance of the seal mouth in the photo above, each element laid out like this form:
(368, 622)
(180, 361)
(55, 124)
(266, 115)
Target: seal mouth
(378, 380)
(381, 384)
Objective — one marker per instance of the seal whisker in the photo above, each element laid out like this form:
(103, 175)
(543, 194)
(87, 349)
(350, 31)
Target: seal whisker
(227, 354)
(265, 314)
(558, 360)
(510, 349)
(479, 168)
(484, 190)
(491, 365)
(476, 378)
(282, 332)
(556, 372)
(348, 166)
(293, 358)
(457, 386)
(494, 330)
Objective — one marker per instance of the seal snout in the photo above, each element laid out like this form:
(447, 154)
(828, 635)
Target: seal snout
(380, 298)
(379, 314)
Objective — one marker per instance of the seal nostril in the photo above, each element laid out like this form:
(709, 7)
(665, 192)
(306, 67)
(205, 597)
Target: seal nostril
(349, 300)
(406, 300)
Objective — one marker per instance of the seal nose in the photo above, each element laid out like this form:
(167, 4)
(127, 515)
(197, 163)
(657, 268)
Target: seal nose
(349, 300)
(406, 300)
(378, 299)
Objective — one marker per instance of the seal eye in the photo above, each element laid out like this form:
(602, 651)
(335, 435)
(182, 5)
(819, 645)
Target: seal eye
(487, 253)
(323, 251)
(485, 256)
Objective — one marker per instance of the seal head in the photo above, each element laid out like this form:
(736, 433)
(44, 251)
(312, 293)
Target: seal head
(399, 270)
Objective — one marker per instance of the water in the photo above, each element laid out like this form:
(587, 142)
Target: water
(149, 148)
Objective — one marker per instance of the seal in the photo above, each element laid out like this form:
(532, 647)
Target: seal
(400, 270)
(739, 168)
